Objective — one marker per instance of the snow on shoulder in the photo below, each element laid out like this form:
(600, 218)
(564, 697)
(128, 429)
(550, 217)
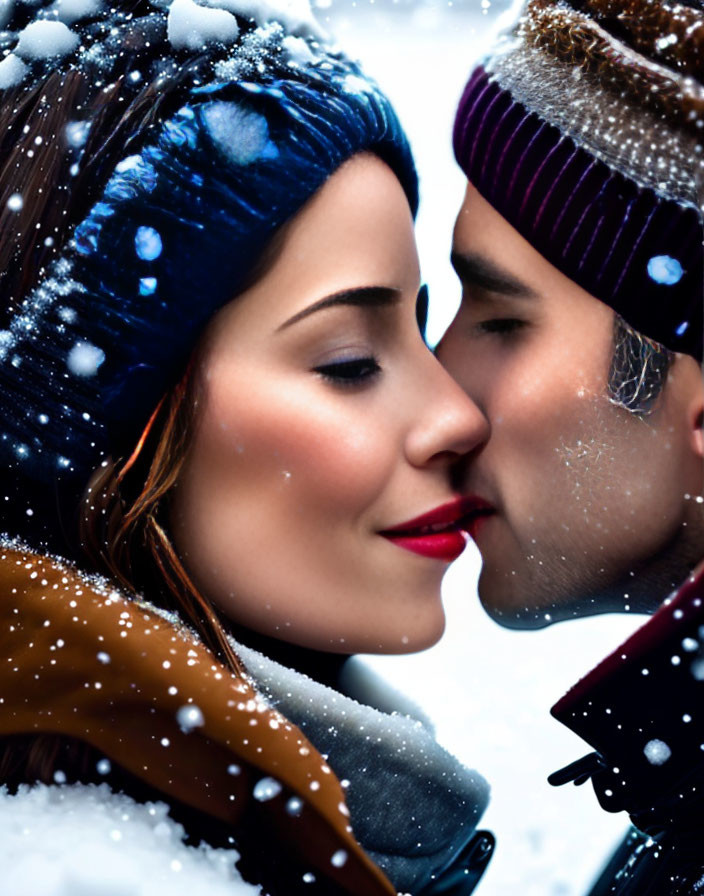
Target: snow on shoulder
(85, 840)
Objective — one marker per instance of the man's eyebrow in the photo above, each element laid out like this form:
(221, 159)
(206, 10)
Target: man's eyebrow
(478, 271)
(360, 297)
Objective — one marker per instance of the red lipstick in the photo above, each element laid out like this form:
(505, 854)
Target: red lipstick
(440, 533)
(480, 511)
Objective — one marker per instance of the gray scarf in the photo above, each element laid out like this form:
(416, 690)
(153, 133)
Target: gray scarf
(413, 805)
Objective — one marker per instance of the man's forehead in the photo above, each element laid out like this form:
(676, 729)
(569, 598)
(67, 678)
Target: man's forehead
(478, 270)
(492, 258)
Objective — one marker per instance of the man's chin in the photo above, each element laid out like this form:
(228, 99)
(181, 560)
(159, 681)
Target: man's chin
(527, 613)
(530, 607)
(531, 596)
(525, 619)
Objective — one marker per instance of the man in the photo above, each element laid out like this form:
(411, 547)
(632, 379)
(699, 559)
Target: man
(579, 249)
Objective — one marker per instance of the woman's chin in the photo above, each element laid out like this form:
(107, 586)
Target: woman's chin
(421, 635)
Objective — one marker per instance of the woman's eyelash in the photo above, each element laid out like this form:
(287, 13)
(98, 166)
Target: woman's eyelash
(350, 371)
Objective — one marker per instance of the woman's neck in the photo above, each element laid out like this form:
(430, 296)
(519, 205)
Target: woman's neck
(319, 665)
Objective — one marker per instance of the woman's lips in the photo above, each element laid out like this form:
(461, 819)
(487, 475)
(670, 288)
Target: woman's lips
(445, 546)
(474, 523)
(441, 534)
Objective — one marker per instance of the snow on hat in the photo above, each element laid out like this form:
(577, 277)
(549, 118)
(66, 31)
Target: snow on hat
(583, 130)
(180, 138)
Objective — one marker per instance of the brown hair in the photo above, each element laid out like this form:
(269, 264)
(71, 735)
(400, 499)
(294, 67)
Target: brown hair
(120, 517)
(123, 536)
(121, 521)
(122, 525)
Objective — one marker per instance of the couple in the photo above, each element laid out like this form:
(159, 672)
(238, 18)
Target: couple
(218, 409)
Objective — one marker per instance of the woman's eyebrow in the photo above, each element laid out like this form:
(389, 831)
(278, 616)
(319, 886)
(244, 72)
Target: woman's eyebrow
(478, 271)
(361, 297)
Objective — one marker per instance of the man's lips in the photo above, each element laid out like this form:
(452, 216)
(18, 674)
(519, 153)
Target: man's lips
(440, 533)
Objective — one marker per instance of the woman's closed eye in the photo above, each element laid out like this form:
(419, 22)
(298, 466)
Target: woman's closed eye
(349, 372)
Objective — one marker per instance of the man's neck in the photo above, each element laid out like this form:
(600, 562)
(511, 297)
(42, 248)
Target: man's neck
(643, 590)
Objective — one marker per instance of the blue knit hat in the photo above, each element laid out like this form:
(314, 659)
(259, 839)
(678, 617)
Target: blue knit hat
(222, 141)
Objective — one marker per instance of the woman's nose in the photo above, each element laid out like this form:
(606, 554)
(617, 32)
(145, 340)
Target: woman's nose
(448, 424)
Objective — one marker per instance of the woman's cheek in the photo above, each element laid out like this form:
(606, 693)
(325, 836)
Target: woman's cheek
(303, 442)
(340, 461)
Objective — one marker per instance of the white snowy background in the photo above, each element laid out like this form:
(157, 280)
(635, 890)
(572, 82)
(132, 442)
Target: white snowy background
(487, 689)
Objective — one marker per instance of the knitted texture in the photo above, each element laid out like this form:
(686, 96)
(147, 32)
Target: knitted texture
(210, 149)
(562, 132)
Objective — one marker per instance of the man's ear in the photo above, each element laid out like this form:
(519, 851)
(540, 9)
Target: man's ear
(697, 435)
(695, 406)
(686, 387)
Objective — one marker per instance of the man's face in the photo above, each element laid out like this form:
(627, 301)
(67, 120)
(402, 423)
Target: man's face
(593, 508)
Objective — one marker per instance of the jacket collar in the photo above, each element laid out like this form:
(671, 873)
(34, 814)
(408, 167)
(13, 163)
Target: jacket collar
(641, 711)
(82, 660)
(132, 681)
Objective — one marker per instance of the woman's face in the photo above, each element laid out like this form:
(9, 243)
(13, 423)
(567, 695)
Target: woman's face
(322, 422)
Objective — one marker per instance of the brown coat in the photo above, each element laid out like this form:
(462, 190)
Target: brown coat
(80, 660)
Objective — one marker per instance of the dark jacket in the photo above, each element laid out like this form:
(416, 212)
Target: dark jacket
(88, 675)
(642, 711)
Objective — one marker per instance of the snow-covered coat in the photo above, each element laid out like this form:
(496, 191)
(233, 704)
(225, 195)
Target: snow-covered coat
(189, 767)
(642, 711)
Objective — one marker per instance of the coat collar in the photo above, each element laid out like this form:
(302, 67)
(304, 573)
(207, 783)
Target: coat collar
(82, 660)
(641, 711)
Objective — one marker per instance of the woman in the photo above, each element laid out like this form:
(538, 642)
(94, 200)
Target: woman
(216, 395)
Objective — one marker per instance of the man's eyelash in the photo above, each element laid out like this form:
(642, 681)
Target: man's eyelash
(502, 326)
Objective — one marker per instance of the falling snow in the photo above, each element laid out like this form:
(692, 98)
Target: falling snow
(15, 202)
(266, 789)
(84, 359)
(12, 69)
(657, 752)
(190, 717)
(147, 243)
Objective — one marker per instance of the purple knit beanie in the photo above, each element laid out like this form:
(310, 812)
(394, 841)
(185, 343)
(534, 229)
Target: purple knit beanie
(584, 130)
